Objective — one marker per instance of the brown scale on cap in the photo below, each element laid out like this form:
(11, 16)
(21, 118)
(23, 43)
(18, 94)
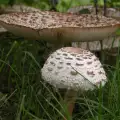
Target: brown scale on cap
(73, 50)
(61, 62)
(90, 73)
(52, 63)
(64, 54)
(73, 54)
(89, 63)
(58, 58)
(59, 67)
(79, 59)
(85, 57)
(78, 64)
(50, 69)
(101, 72)
(68, 63)
(96, 59)
(74, 73)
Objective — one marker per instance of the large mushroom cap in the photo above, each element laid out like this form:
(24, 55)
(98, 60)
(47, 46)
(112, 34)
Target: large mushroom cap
(59, 27)
(73, 68)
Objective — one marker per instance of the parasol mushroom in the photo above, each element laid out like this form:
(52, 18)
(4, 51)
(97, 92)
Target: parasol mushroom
(57, 27)
(73, 69)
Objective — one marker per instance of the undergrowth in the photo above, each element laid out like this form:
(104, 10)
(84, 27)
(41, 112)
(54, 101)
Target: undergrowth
(25, 96)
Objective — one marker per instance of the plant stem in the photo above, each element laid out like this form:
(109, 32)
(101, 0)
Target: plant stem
(96, 6)
(105, 7)
(69, 99)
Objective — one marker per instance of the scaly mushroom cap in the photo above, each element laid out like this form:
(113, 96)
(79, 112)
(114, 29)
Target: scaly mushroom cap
(59, 27)
(73, 68)
(15, 8)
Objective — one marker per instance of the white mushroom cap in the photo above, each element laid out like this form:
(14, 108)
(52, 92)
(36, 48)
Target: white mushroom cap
(73, 68)
(59, 27)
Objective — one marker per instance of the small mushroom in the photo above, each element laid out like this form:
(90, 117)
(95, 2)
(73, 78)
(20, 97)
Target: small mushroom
(81, 74)
(58, 27)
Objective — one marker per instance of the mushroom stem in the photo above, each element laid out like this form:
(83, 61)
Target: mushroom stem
(69, 99)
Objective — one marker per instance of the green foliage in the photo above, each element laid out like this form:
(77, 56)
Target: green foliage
(4, 1)
(29, 2)
(110, 3)
(64, 5)
(28, 97)
(42, 4)
(11, 2)
(118, 32)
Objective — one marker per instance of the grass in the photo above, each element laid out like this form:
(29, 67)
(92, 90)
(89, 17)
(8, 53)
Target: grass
(25, 96)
